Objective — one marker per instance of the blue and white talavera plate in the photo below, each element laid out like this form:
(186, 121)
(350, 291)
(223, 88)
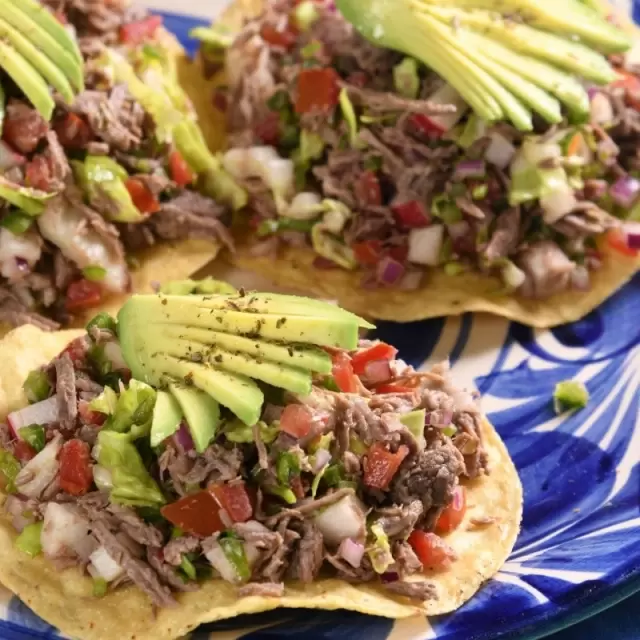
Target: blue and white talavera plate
(579, 549)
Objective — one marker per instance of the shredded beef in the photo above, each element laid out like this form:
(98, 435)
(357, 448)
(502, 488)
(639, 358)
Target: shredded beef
(407, 562)
(262, 589)
(309, 554)
(176, 548)
(167, 573)
(135, 527)
(547, 268)
(216, 464)
(469, 443)
(349, 573)
(66, 392)
(419, 590)
(400, 521)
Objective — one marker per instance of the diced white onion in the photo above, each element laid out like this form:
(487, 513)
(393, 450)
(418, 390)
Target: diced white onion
(343, 519)
(557, 204)
(17, 508)
(334, 221)
(425, 245)
(40, 471)
(102, 477)
(104, 566)
(321, 458)
(43, 412)
(304, 206)
(537, 152)
(280, 176)
(64, 531)
(500, 151)
(113, 353)
(219, 561)
(26, 246)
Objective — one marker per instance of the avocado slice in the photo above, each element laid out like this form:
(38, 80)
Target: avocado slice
(103, 174)
(29, 81)
(167, 416)
(49, 71)
(201, 412)
(31, 201)
(31, 24)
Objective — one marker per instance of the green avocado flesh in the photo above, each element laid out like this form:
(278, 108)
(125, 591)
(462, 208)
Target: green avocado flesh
(219, 346)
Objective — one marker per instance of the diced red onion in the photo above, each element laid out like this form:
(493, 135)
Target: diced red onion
(389, 271)
(411, 281)
(40, 471)
(182, 438)
(631, 232)
(580, 278)
(624, 191)
(377, 371)
(425, 245)
(439, 418)
(601, 109)
(44, 412)
(320, 262)
(322, 457)
(470, 169)
(219, 561)
(351, 552)
(104, 566)
(9, 158)
(342, 519)
(500, 151)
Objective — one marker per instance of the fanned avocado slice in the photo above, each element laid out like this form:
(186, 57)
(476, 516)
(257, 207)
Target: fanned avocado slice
(29, 81)
(167, 416)
(41, 36)
(201, 411)
(50, 72)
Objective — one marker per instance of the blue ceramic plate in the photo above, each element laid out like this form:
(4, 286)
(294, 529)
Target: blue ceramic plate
(579, 549)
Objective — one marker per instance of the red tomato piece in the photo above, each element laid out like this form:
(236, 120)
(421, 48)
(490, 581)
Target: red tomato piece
(23, 451)
(77, 349)
(318, 91)
(424, 124)
(142, 196)
(181, 172)
(38, 173)
(393, 387)
(284, 39)
(412, 214)
(617, 240)
(380, 465)
(453, 514)
(83, 294)
(379, 351)
(90, 417)
(234, 499)
(432, 551)
(197, 513)
(631, 84)
(23, 127)
(75, 467)
(343, 373)
(368, 252)
(72, 131)
(268, 129)
(296, 420)
(367, 189)
(140, 30)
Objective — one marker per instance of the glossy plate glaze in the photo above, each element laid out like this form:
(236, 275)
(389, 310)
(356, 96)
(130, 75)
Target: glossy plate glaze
(579, 550)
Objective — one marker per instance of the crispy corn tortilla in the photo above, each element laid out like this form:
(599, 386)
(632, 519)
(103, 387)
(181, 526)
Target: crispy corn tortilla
(165, 261)
(440, 294)
(64, 598)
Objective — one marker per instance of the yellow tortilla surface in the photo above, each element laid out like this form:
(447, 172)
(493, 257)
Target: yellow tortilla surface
(165, 261)
(63, 598)
(440, 294)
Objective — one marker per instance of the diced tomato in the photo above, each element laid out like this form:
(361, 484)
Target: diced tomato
(23, 451)
(38, 173)
(452, 515)
(234, 499)
(368, 252)
(426, 125)
(75, 467)
(399, 252)
(83, 294)
(380, 465)
(343, 373)
(72, 131)
(197, 513)
(296, 420)
(379, 351)
(181, 172)
(358, 79)
(90, 417)
(432, 551)
(412, 214)
(142, 196)
(631, 84)
(616, 240)
(393, 387)
(268, 129)
(367, 189)
(23, 127)
(139, 31)
(284, 39)
(318, 91)
(77, 349)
